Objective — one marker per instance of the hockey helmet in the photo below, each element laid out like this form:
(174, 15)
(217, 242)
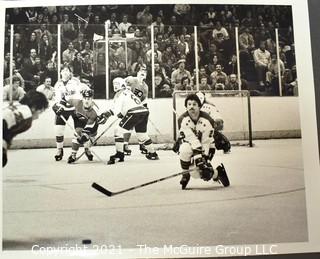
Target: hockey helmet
(87, 93)
(118, 84)
(201, 96)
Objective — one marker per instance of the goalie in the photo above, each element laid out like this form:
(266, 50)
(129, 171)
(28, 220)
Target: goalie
(86, 126)
(220, 140)
(196, 129)
(133, 115)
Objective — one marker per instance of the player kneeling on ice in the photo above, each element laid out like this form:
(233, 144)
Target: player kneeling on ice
(134, 115)
(220, 140)
(196, 129)
(18, 117)
(86, 125)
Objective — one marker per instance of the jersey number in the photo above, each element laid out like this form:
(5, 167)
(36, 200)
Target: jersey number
(135, 99)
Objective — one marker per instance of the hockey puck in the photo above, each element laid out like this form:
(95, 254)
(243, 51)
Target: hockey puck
(86, 241)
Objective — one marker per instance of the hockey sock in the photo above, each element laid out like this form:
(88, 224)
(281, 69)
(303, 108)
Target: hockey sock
(185, 165)
(59, 141)
(119, 144)
(126, 137)
(149, 146)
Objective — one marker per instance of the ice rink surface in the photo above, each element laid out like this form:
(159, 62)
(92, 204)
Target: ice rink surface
(52, 203)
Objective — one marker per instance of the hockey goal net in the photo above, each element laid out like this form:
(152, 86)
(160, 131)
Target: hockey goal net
(234, 107)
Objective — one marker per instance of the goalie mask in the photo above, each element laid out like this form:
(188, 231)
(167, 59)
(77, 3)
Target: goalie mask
(118, 84)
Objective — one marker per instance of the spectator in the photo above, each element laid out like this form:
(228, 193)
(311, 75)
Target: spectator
(77, 65)
(162, 88)
(272, 74)
(112, 22)
(79, 42)
(45, 48)
(231, 66)
(232, 83)
(51, 71)
(183, 47)
(218, 76)
(16, 73)
(67, 28)
(157, 53)
(204, 84)
(182, 13)
(219, 34)
(17, 44)
(159, 24)
(69, 54)
(124, 25)
(17, 90)
(87, 69)
(168, 54)
(87, 50)
(262, 59)
(31, 14)
(179, 73)
(158, 69)
(136, 66)
(32, 43)
(144, 17)
(46, 88)
(29, 70)
(184, 85)
(246, 41)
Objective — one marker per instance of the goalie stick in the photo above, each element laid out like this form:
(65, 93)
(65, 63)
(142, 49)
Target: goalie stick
(109, 193)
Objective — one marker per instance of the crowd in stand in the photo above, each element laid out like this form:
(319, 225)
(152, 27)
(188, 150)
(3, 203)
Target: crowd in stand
(35, 46)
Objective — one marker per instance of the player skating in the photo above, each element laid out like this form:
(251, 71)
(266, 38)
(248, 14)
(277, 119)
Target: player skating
(138, 86)
(196, 129)
(134, 115)
(221, 141)
(86, 126)
(17, 118)
(67, 94)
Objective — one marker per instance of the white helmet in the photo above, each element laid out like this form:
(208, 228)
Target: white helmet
(118, 84)
(201, 97)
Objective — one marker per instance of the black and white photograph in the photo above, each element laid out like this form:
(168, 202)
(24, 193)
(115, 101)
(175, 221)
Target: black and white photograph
(158, 129)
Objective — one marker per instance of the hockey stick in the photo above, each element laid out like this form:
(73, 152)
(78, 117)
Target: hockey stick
(109, 193)
(96, 140)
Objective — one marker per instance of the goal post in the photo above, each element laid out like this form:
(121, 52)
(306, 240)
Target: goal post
(234, 107)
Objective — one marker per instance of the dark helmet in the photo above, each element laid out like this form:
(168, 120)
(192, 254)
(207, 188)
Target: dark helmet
(87, 93)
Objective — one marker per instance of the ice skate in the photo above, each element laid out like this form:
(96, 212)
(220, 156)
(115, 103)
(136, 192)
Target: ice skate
(118, 155)
(143, 149)
(59, 154)
(126, 150)
(184, 181)
(152, 156)
(88, 154)
(72, 158)
(222, 176)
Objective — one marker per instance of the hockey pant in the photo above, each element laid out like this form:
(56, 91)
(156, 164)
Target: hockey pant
(136, 119)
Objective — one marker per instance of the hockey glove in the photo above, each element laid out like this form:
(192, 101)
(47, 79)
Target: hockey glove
(58, 109)
(101, 119)
(199, 158)
(83, 138)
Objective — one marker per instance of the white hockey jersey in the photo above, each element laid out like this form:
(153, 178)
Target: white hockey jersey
(125, 100)
(139, 88)
(70, 91)
(198, 133)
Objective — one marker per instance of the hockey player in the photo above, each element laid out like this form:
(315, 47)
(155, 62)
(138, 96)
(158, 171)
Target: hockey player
(134, 115)
(17, 118)
(138, 86)
(86, 126)
(220, 140)
(67, 94)
(197, 128)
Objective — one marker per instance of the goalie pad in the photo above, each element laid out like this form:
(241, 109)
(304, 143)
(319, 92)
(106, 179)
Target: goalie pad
(221, 142)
